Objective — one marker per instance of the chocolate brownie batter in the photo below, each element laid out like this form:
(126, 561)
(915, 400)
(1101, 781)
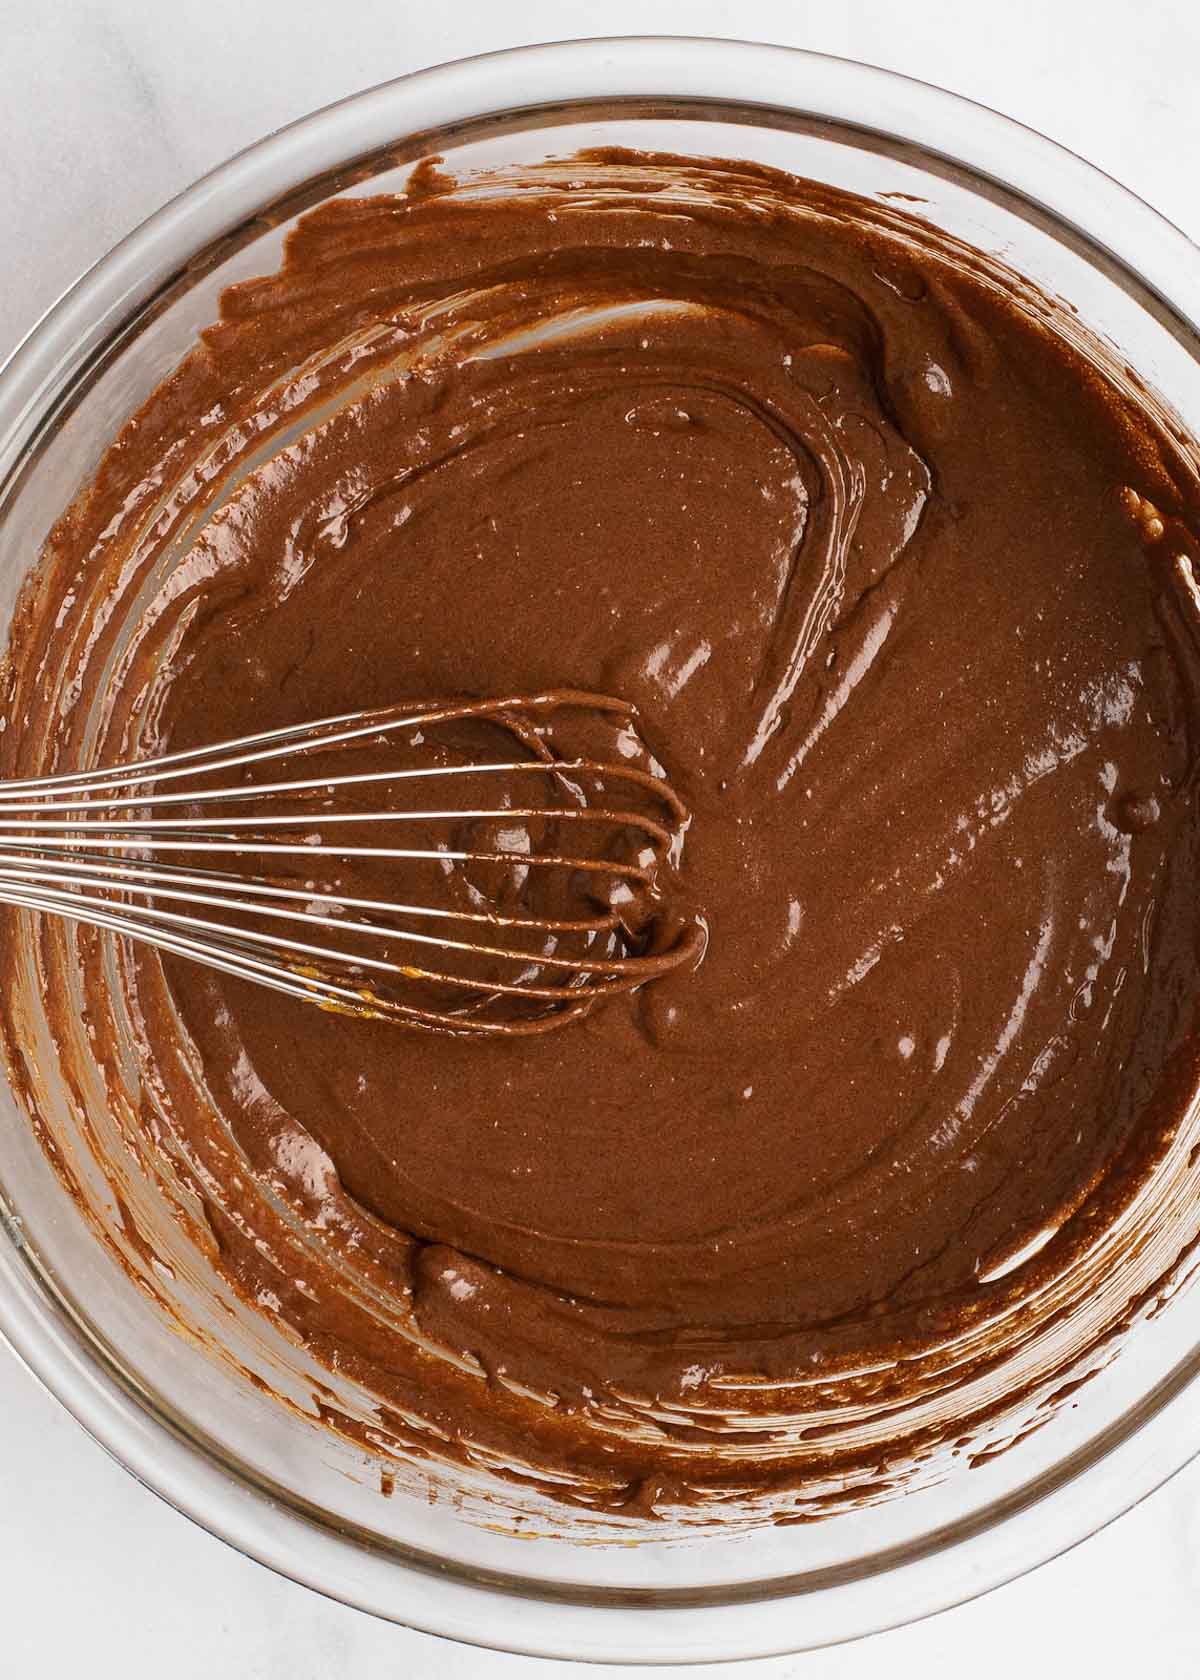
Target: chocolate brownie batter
(899, 588)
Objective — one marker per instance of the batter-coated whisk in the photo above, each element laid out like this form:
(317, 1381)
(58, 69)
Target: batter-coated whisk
(446, 865)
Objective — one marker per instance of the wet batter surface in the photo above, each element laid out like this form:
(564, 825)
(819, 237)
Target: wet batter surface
(899, 590)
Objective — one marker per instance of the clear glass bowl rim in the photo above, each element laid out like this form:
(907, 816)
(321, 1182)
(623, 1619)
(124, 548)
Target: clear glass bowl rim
(1083, 204)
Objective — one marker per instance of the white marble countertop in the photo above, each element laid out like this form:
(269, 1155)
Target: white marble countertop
(107, 107)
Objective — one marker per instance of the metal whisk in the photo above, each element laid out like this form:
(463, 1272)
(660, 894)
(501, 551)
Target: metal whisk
(509, 912)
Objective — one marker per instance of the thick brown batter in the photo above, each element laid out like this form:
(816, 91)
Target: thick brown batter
(895, 584)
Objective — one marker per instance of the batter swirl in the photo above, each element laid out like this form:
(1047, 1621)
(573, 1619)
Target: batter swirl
(898, 585)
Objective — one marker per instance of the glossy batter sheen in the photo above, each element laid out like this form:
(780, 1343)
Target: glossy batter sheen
(899, 590)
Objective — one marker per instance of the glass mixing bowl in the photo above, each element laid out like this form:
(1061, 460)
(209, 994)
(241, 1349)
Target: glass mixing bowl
(269, 1480)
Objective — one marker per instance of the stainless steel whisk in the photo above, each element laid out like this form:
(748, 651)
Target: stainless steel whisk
(192, 854)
